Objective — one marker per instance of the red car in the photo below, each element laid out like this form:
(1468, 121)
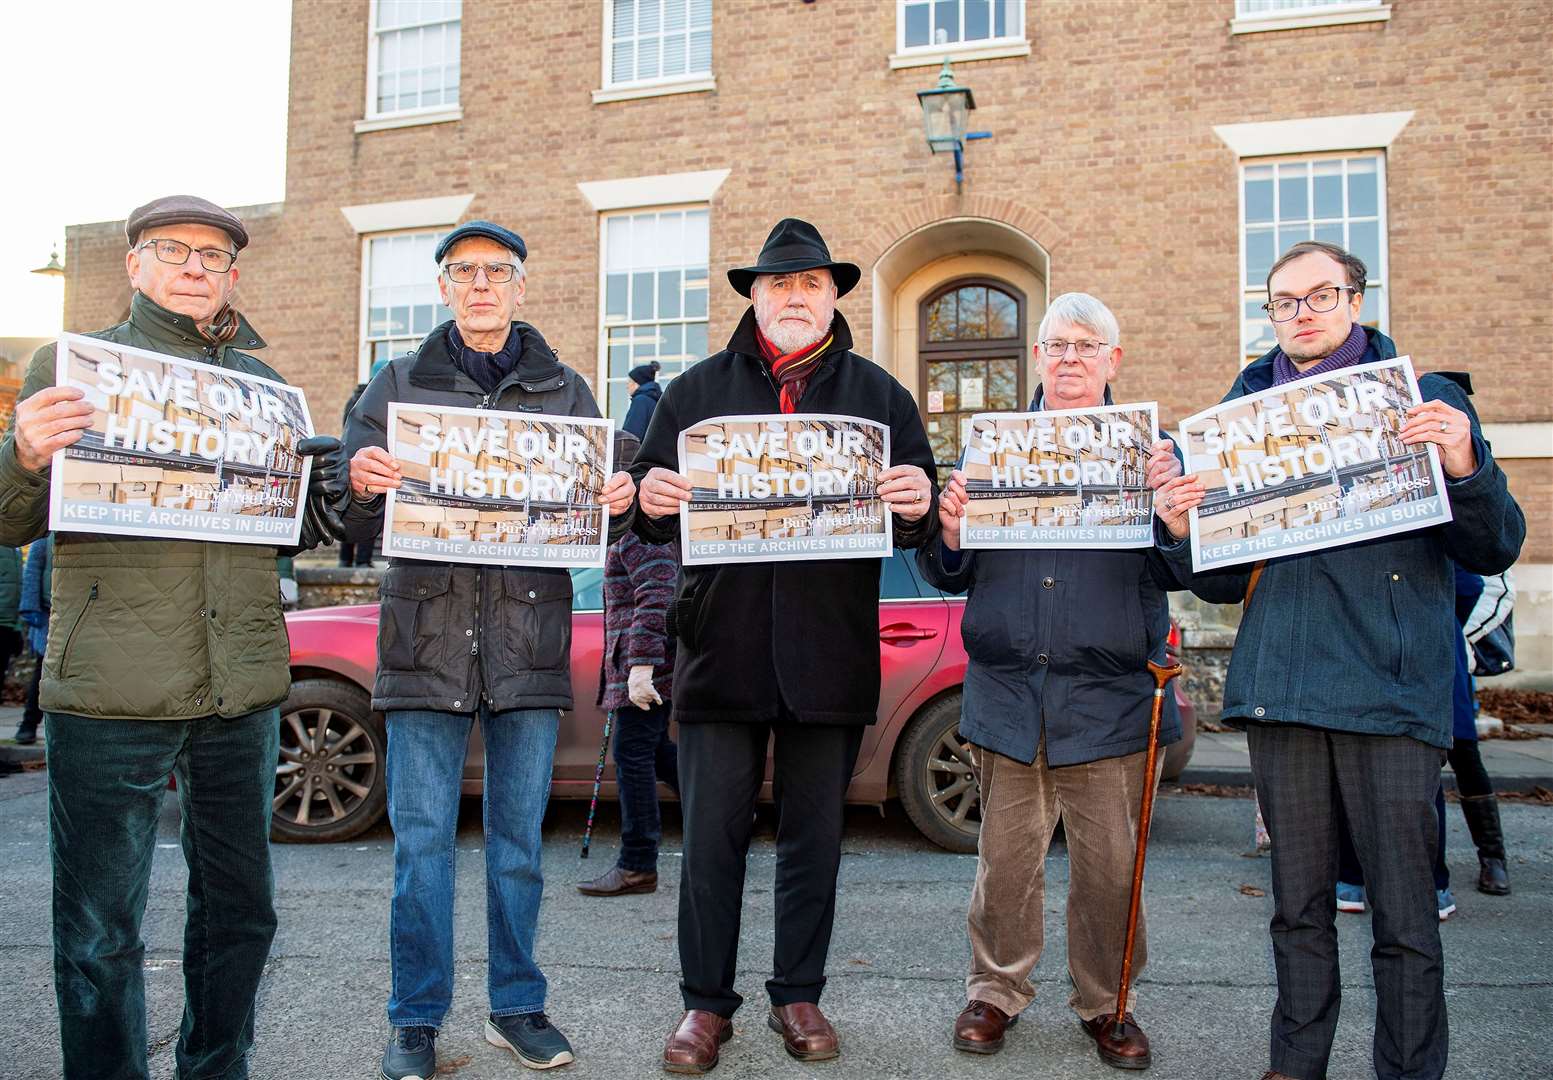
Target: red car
(329, 783)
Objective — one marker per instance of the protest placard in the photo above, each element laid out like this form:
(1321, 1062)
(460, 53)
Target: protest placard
(777, 488)
(506, 488)
(179, 449)
(1068, 478)
(1311, 464)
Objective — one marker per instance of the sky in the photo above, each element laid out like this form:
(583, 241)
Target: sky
(111, 103)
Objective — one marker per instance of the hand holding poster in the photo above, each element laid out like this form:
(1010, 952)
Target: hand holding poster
(777, 488)
(1069, 478)
(179, 449)
(514, 489)
(1311, 464)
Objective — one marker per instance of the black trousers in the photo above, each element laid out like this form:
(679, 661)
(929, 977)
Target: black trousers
(721, 767)
(1386, 785)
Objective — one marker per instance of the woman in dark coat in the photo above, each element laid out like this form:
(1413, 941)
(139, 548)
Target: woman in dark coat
(645, 393)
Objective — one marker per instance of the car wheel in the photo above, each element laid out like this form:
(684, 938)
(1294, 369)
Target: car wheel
(329, 781)
(934, 779)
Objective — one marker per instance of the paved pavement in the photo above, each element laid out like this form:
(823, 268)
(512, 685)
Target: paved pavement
(897, 962)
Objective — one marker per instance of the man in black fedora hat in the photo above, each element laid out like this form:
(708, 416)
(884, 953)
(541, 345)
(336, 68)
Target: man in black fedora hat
(788, 650)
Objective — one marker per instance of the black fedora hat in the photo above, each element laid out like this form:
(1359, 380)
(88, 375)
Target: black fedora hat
(792, 246)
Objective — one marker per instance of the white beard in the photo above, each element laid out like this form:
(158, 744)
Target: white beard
(790, 337)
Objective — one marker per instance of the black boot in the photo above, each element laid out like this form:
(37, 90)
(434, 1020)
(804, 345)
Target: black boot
(1482, 814)
(27, 732)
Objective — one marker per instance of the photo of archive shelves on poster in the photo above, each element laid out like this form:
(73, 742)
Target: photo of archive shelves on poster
(179, 449)
(510, 489)
(776, 488)
(1311, 464)
(1068, 478)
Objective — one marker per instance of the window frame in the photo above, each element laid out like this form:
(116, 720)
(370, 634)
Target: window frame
(612, 90)
(372, 116)
(1015, 44)
(363, 342)
(602, 329)
(1312, 13)
(1380, 282)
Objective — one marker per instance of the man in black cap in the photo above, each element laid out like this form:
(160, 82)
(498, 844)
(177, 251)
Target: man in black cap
(784, 649)
(165, 658)
(456, 642)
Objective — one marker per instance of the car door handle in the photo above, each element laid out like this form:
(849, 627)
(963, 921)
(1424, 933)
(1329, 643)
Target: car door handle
(905, 633)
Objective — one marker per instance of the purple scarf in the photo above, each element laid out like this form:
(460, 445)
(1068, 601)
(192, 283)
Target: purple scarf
(1349, 352)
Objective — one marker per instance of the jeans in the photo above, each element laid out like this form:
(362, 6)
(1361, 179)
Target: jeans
(644, 755)
(426, 753)
(107, 781)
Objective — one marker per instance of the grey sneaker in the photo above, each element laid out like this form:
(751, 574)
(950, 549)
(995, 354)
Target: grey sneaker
(411, 1054)
(537, 1043)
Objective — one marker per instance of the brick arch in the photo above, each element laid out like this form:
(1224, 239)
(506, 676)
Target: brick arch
(906, 219)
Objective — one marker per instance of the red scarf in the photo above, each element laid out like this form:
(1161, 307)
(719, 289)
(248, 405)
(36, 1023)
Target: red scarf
(792, 370)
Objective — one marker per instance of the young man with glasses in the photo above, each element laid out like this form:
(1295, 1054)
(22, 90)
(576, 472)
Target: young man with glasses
(165, 658)
(1342, 676)
(466, 641)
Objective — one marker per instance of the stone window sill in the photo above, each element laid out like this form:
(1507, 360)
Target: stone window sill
(662, 89)
(404, 120)
(958, 54)
(1301, 20)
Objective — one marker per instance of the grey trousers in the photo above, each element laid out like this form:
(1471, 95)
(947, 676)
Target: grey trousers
(1386, 785)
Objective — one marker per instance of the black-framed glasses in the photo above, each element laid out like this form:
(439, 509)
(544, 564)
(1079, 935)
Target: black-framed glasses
(1057, 348)
(1322, 300)
(176, 253)
(496, 273)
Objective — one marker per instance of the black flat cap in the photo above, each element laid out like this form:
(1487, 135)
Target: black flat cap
(184, 210)
(792, 246)
(488, 229)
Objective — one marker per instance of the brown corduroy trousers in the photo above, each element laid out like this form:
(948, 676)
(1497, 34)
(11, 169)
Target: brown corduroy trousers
(1020, 804)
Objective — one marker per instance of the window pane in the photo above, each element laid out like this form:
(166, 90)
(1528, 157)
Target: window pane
(695, 294)
(1009, 21)
(1364, 241)
(978, 20)
(895, 579)
(1327, 189)
(1363, 200)
(615, 288)
(1260, 255)
(642, 295)
(695, 339)
(917, 31)
(942, 324)
(668, 294)
(673, 344)
(1293, 200)
(973, 313)
(648, 14)
(1369, 309)
(701, 51)
(1256, 331)
(946, 21)
(1259, 193)
(1331, 232)
(673, 55)
(1002, 315)
(1289, 235)
(619, 399)
(621, 68)
(701, 13)
(676, 14)
(696, 242)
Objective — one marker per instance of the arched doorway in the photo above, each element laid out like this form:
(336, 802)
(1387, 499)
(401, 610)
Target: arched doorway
(970, 348)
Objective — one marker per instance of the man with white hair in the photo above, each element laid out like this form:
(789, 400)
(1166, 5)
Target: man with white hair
(785, 651)
(1057, 708)
(456, 642)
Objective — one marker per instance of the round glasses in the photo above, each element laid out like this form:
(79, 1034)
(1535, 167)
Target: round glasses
(464, 272)
(1322, 300)
(176, 253)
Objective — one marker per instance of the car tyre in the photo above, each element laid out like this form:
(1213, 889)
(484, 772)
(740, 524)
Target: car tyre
(934, 779)
(330, 782)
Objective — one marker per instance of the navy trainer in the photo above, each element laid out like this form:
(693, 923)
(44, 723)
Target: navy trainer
(411, 1054)
(537, 1043)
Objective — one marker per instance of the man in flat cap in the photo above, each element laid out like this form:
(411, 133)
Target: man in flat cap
(457, 642)
(165, 658)
(783, 649)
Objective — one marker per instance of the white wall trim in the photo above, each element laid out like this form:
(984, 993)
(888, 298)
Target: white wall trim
(662, 190)
(410, 119)
(1523, 439)
(1298, 20)
(697, 85)
(1362, 131)
(407, 213)
(974, 50)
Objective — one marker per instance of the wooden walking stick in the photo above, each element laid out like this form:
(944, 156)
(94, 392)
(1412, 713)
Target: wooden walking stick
(598, 778)
(1162, 677)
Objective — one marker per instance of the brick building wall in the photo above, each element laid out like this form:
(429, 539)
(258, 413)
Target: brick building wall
(1103, 155)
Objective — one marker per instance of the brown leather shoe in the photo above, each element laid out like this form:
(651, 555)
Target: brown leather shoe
(692, 1047)
(619, 882)
(979, 1028)
(1124, 1047)
(806, 1034)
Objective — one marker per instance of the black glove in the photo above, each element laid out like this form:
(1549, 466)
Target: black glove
(321, 522)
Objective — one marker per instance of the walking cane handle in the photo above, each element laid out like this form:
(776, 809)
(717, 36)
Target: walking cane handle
(1163, 675)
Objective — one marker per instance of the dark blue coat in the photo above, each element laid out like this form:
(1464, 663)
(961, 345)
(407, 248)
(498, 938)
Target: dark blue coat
(1059, 642)
(643, 402)
(1362, 638)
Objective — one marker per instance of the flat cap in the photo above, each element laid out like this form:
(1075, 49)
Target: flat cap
(184, 210)
(488, 229)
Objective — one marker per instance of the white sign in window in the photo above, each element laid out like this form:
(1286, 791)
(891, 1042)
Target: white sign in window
(400, 302)
(414, 56)
(1341, 200)
(654, 296)
(651, 41)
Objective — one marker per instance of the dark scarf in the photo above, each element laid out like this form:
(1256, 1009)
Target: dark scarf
(792, 370)
(1349, 352)
(487, 369)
